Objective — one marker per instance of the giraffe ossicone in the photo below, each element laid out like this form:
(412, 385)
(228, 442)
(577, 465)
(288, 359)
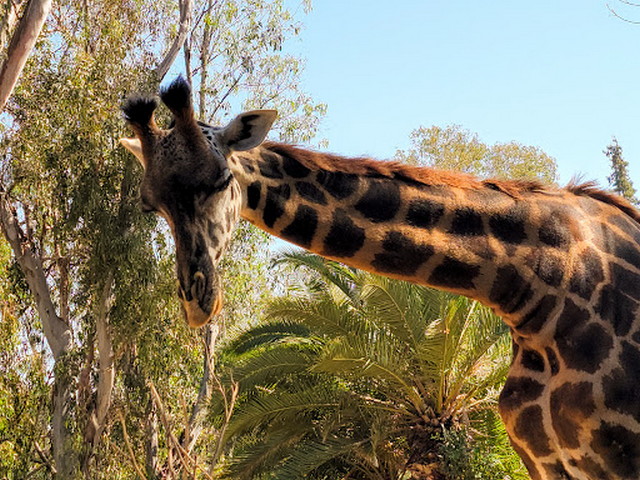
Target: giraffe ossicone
(561, 266)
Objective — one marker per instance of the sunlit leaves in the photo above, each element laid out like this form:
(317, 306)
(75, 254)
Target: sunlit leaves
(455, 148)
(366, 373)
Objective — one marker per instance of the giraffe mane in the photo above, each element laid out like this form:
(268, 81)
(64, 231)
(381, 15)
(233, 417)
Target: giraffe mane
(591, 189)
(430, 176)
(391, 169)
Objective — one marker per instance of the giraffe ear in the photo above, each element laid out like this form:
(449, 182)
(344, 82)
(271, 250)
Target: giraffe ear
(134, 146)
(247, 130)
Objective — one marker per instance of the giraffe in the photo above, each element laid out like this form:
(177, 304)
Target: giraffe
(561, 266)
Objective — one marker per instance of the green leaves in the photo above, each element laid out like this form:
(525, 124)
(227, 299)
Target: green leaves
(362, 370)
(454, 148)
(619, 179)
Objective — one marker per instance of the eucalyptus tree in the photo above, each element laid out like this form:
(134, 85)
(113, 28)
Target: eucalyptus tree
(455, 148)
(70, 208)
(364, 377)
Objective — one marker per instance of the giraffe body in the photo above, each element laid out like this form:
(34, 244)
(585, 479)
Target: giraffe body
(562, 267)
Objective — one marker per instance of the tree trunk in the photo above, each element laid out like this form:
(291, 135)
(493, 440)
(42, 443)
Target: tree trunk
(96, 420)
(186, 7)
(8, 23)
(23, 40)
(199, 411)
(107, 371)
(57, 332)
(151, 441)
(204, 64)
(194, 426)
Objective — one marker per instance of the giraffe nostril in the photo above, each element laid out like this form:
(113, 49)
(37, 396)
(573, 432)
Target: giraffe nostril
(199, 286)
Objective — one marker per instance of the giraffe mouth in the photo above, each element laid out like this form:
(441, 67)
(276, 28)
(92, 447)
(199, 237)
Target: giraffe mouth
(196, 316)
(203, 302)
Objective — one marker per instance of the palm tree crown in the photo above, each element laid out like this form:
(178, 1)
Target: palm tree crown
(363, 377)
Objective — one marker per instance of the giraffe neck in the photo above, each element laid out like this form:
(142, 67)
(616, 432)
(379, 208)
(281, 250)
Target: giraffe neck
(457, 234)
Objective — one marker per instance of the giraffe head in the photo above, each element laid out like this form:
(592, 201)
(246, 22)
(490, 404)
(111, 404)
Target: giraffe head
(188, 182)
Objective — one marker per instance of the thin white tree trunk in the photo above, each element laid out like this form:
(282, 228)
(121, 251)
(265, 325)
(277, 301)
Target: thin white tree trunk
(57, 332)
(194, 427)
(186, 8)
(107, 370)
(22, 42)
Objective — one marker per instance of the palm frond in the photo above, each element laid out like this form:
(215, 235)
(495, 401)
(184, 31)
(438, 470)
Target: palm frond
(309, 455)
(258, 454)
(266, 334)
(323, 315)
(326, 270)
(267, 407)
(398, 306)
(268, 366)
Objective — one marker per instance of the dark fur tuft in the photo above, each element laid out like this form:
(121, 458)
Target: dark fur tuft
(177, 95)
(139, 109)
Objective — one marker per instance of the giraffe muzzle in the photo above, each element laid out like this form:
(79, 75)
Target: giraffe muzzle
(204, 300)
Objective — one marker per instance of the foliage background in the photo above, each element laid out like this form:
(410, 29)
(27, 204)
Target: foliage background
(135, 392)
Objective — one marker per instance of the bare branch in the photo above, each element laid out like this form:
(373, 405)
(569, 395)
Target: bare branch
(127, 442)
(617, 15)
(186, 7)
(626, 2)
(22, 42)
(186, 460)
(43, 456)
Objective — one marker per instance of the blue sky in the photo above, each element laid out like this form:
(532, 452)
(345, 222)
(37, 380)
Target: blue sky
(563, 75)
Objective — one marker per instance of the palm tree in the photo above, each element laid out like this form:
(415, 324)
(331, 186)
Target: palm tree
(363, 377)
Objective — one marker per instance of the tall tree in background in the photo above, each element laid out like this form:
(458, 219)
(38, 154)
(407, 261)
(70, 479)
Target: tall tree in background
(455, 148)
(619, 179)
(114, 391)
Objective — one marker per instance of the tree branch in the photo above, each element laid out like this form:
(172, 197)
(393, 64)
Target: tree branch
(57, 332)
(617, 15)
(198, 413)
(105, 357)
(21, 45)
(186, 7)
(127, 442)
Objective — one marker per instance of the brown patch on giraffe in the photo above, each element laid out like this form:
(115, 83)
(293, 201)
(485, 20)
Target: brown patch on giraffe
(587, 274)
(401, 255)
(552, 358)
(528, 462)
(509, 226)
(622, 386)
(550, 267)
(530, 429)
(582, 343)
(617, 309)
(303, 227)
(556, 471)
(589, 466)
(518, 391)
(535, 319)
(345, 238)
(571, 405)
(619, 448)
(510, 290)
(532, 360)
